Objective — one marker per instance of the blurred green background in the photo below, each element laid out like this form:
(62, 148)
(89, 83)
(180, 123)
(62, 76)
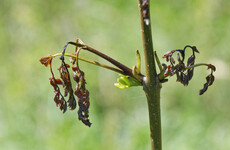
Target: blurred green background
(30, 30)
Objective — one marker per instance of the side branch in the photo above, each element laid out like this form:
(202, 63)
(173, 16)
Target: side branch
(125, 69)
(91, 62)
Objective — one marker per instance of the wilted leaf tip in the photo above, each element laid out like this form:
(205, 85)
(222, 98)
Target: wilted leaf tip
(46, 60)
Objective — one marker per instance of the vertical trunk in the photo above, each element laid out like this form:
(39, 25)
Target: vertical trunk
(152, 93)
(151, 83)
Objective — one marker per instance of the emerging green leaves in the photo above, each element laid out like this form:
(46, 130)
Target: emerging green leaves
(126, 82)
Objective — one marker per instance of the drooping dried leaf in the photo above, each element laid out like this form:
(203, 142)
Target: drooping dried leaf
(75, 77)
(182, 78)
(46, 60)
(190, 62)
(167, 55)
(64, 73)
(189, 73)
(185, 80)
(204, 89)
(182, 54)
(82, 96)
(58, 81)
(58, 98)
(177, 75)
(180, 66)
(72, 102)
(172, 61)
(62, 104)
(209, 81)
(72, 60)
(53, 83)
(178, 57)
(212, 67)
(168, 70)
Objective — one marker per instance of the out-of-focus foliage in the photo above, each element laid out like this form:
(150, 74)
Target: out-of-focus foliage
(32, 29)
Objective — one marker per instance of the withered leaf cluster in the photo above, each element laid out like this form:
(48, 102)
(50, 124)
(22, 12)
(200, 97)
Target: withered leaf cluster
(184, 73)
(80, 91)
(82, 95)
(209, 79)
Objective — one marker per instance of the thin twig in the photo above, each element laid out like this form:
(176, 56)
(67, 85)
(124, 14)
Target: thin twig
(91, 62)
(125, 69)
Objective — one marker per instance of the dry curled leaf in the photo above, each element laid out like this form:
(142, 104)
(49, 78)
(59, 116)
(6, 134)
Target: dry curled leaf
(209, 81)
(46, 60)
(212, 67)
(167, 55)
(58, 98)
(168, 71)
(64, 74)
(82, 96)
(190, 62)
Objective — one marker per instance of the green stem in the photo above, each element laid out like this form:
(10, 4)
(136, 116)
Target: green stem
(197, 65)
(158, 62)
(161, 76)
(138, 62)
(151, 83)
(91, 62)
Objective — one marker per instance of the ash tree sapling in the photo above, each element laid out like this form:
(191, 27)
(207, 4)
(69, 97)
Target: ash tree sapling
(151, 81)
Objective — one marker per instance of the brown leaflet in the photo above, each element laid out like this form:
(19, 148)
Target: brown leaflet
(190, 62)
(46, 60)
(64, 74)
(82, 96)
(209, 81)
(168, 71)
(58, 98)
(212, 67)
(168, 54)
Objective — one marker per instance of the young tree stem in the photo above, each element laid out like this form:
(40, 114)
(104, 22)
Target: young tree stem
(151, 84)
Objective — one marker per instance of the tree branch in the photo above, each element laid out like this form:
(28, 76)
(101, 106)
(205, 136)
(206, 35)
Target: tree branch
(91, 62)
(125, 69)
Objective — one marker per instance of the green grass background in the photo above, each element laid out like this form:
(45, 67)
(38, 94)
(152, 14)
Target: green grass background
(31, 29)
